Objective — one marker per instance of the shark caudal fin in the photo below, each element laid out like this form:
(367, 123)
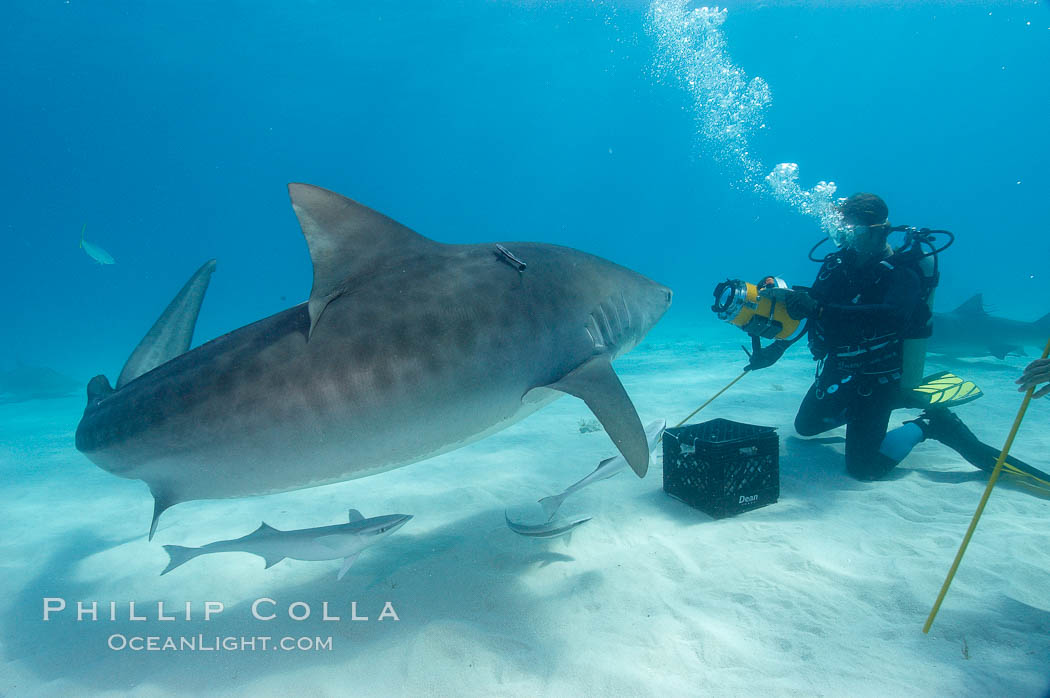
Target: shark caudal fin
(82, 229)
(172, 333)
(178, 555)
(1043, 323)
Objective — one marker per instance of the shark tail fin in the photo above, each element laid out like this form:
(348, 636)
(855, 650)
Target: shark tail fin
(550, 505)
(82, 229)
(1043, 322)
(178, 555)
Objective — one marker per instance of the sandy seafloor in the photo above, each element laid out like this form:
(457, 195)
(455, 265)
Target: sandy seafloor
(823, 593)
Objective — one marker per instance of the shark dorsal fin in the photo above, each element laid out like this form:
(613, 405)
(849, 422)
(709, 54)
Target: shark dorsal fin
(345, 240)
(272, 560)
(264, 529)
(355, 515)
(973, 306)
(172, 333)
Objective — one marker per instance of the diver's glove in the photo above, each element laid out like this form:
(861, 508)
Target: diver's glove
(764, 357)
(800, 305)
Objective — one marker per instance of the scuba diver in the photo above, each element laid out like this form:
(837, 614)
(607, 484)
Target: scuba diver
(863, 311)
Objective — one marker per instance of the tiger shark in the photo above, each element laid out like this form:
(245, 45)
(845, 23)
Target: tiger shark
(970, 330)
(407, 348)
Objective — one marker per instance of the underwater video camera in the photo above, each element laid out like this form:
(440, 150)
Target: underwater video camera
(739, 303)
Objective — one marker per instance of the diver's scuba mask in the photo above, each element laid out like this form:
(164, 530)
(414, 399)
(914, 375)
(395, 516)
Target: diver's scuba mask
(920, 238)
(739, 303)
(847, 233)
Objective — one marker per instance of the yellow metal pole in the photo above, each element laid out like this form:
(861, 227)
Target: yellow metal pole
(712, 399)
(984, 500)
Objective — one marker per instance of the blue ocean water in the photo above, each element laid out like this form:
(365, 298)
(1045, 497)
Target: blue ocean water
(171, 130)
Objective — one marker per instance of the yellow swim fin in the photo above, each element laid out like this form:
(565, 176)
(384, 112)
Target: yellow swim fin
(1029, 475)
(943, 389)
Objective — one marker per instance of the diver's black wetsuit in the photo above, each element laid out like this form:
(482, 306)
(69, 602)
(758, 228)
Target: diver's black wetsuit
(865, 311)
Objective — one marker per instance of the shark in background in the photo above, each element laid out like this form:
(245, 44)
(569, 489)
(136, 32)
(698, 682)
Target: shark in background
(970, 330)
(406, 349)
(25, 382)
(344, 541)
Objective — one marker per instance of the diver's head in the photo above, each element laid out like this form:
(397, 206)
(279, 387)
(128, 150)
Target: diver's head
(867, 218)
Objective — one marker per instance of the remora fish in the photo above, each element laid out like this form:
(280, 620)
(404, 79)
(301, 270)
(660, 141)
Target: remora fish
(344, 541)
(970, 331)
(94, 251)
(548, 529)
(407, 348)
(606, 469)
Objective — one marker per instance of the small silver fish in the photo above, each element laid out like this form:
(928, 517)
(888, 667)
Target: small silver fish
(323, 543)
(94, 251)
(548, 529)
(606, 469)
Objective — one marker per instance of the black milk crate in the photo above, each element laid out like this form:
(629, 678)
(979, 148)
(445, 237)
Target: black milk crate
(722, 467)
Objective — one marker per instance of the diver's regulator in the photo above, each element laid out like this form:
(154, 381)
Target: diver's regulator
(739, 303)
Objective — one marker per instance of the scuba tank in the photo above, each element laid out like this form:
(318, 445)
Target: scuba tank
(920, 253)
(913, 348)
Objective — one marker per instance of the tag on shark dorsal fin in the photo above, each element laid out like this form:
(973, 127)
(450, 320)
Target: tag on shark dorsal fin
(355, 515)
(595, 382)
(172, 333)
(973, 306)
(345, 239)
(347, 562)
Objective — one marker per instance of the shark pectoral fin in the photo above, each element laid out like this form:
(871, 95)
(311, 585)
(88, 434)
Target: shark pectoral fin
(172, 333)
(355, 515)
(347, 562)
(346, 238)
(595, 382)
(538, 395)
(161, 503)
